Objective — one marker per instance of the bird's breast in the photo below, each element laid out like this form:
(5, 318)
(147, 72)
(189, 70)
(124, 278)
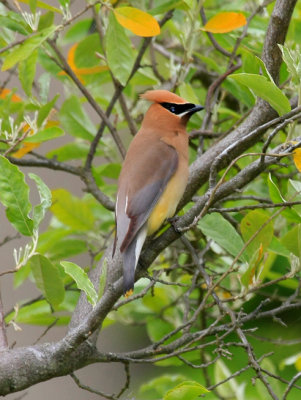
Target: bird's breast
(168, 202)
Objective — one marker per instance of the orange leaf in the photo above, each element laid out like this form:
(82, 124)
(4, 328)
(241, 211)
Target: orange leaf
(137, 21)
(70, 59)
(91, 70)
(5, 92)
(297, 158)
(26, 148)
(225, 22)
(71, 56)
(51, 123)
(81, 71)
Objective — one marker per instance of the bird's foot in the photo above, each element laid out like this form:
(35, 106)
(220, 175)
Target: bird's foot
(128, 293)
(173, 222)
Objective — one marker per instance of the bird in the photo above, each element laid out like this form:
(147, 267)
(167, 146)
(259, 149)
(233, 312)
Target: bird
(153, 177)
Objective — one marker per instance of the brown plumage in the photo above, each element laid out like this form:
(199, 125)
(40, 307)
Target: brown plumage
(153, 177)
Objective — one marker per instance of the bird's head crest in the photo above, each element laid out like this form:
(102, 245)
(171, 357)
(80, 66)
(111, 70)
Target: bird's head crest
(162, 96)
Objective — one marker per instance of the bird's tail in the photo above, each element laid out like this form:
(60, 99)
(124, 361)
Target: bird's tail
(130, 260)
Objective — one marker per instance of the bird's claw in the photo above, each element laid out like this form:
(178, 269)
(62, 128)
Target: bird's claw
(173, 222)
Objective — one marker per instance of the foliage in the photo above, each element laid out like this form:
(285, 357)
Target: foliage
(214, 303)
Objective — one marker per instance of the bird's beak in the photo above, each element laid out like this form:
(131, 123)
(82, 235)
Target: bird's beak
(191, 111)
(195, 109)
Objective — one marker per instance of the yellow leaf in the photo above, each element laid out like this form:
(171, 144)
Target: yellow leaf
(298, 363)
(51, 123)
(225, 22)
(297, 158)
(137, 21)
(26, 148)
(41, 4)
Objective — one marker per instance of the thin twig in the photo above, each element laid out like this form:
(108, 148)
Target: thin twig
(254, 207)
(118, 90)
(291, 384)
(91, 390)
(216, 45)
(66, 67)
(3, 337)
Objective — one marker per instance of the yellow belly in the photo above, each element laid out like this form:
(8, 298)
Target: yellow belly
(167, 204)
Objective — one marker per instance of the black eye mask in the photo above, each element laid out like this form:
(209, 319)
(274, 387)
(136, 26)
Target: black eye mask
(178, 108)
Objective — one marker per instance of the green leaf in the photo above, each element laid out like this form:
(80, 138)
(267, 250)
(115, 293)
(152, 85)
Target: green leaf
(45, 197)
(21, 275)
(292, 60)
(250, 224)
(188, 93)
(242, 93)
(157, 329)
(158, 300)
(267, 365)
(45, 110)
(14, 194)
(230, 388)
(46, 20)
(276, 197)
(265, 89)
(85, 53)
(49, 238)
(44, 84)
(25, 49)
(217, 228)
(45, 134)
(33, 6)
(65, 248)
(264, 70)
(277, 247)
(41, 4)
(274, 191)
(144, 77)
(77, 31)
(72, 211)
(81, 279)
(111, 170)
(187, 390)
(27, 71)
(119, 51)
(40, 313)
(13, 22)
(70, 151)
(169, 5)
(294, 194)
(48, 279)
(157, 387)
(292, 240)
(75, 121)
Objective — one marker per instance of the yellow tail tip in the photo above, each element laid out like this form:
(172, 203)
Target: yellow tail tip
(128, 293)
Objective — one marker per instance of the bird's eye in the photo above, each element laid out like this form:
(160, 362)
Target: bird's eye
(170, 107)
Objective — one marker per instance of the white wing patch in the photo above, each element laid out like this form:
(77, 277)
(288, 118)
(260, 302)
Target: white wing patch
(139, 243)
(126, 204)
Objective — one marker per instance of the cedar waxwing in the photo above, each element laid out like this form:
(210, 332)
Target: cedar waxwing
(153, 176)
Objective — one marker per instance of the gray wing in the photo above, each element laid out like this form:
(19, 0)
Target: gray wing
(138, 197)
